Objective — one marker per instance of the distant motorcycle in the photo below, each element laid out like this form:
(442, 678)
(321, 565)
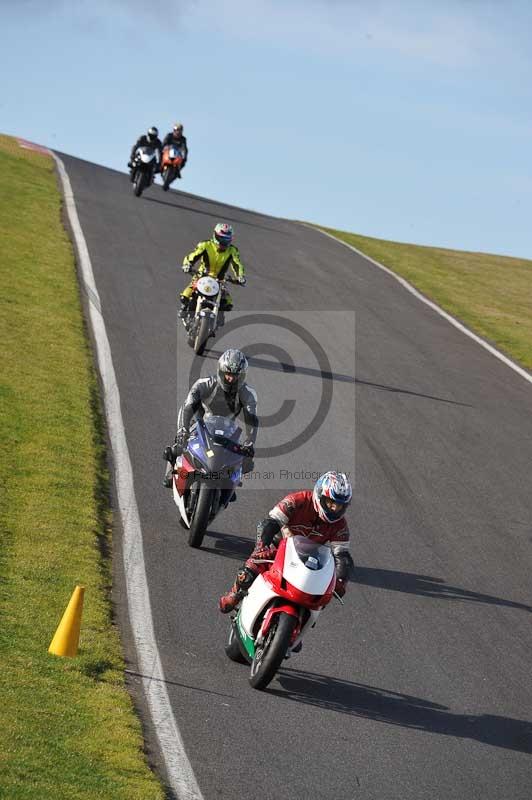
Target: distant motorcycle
(171, 162)
(281, 605)
(206, 475)
(203, 321)
(142, 169)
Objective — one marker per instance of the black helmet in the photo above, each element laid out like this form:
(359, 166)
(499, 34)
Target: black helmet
(232, 370)
(153, 133)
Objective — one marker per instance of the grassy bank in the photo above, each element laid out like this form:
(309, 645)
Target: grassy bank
(491, 294)
(68, 729)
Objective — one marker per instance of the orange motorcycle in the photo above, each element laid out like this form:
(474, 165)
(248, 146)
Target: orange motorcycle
(171, 163)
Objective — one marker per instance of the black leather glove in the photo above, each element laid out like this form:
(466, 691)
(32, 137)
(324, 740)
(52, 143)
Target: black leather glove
(248, 449)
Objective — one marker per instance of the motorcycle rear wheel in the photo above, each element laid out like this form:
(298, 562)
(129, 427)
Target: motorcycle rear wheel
(232, 648)
(200, 519)
(269, 656)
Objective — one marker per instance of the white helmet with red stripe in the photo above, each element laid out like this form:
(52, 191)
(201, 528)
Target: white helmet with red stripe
(222, 235)
(332, 495)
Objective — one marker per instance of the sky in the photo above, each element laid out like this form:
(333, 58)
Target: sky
(400, 119)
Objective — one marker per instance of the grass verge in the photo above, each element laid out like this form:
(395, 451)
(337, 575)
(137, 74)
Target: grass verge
(68, 729)
(490, 294)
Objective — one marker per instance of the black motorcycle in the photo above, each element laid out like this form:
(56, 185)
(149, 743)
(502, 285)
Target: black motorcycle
(142, 169)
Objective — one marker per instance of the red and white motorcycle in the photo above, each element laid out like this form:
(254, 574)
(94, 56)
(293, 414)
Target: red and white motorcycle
(280, 607)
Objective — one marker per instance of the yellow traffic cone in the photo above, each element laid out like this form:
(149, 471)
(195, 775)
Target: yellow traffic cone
(66, 639)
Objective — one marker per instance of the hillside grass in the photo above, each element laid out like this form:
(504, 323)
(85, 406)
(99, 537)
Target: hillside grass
(490, 294)
(67, 726)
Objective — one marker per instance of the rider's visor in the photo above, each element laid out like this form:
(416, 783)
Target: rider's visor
(336, 509)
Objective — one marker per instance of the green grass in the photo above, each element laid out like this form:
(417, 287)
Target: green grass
(67, 726)
(491, 294)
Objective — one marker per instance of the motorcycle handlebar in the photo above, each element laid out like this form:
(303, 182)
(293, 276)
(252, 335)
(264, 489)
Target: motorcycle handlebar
(220, 280)
(231, 445)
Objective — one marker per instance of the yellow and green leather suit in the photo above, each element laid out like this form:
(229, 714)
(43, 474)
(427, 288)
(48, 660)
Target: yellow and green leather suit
(216, 263)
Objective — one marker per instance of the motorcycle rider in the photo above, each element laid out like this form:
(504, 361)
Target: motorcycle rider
(217, 256)
(225, 394)
(149, 139)
(176, 137)
(318, 514)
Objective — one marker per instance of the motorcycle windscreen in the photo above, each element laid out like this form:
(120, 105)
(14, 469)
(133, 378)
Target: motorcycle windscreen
(307, 565)
(228, 428)
(216, 459)
(146, 154)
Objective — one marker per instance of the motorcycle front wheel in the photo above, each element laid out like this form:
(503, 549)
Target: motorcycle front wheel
(200, 519)
(202, 335)
(270, 654)
(139, 183)
(168, 177)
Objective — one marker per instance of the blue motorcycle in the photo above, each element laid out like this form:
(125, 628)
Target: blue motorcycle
(207, 473)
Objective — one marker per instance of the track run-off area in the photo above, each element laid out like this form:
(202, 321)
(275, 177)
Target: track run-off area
(419, 686)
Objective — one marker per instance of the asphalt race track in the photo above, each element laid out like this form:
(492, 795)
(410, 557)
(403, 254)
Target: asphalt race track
(419, 687)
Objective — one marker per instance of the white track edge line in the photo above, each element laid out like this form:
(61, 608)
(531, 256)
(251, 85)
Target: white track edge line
(180, 774)
(408, 286)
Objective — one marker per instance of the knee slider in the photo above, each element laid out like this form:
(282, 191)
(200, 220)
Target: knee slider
(245, 578)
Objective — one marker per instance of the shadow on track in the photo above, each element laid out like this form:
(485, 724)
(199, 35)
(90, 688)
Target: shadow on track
(281, 366)
(426, 586)
(229, 545)
(174, 192)
(392, 708)
(214, 216)
(168, 682)
(294, 369)
(239, 548)
(397, 389)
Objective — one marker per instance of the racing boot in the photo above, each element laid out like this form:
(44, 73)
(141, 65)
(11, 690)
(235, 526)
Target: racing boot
(257, 563)
(245, 577)
(169, 455)
(183, 311)
(228, 602)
